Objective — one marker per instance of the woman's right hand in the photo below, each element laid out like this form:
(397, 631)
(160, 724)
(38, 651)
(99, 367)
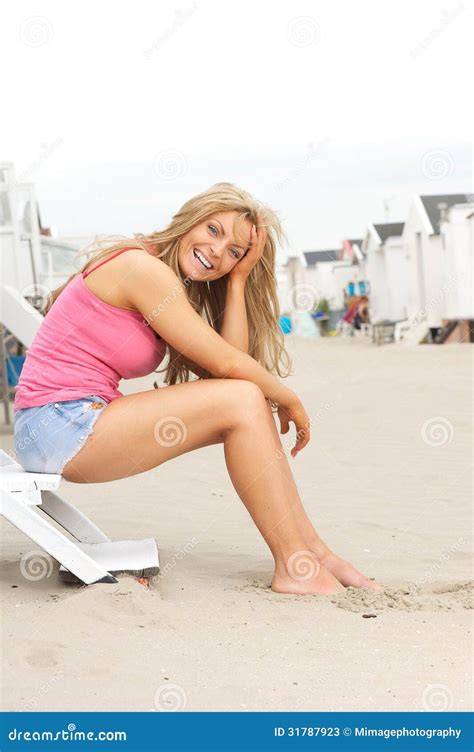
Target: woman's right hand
(293, 410)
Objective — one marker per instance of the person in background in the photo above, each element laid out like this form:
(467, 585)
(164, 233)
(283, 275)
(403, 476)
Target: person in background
(361, 315)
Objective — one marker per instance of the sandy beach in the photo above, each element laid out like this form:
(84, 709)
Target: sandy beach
(387, 481)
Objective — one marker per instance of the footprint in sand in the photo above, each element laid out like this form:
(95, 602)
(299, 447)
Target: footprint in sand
(453, 597)
(41, 657)
(450, 597)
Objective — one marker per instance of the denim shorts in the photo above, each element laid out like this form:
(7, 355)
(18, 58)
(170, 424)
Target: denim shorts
(47, 437)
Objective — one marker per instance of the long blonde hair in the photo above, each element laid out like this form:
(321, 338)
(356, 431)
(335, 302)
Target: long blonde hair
(266, 339)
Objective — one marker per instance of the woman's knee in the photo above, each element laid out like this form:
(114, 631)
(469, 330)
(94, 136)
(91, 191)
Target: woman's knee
(246, 400)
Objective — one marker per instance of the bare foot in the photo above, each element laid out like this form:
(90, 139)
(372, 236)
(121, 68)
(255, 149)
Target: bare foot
(343, 570)
(320, 583)
(347, 574)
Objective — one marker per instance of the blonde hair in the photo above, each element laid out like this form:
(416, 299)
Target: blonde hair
(266, 338)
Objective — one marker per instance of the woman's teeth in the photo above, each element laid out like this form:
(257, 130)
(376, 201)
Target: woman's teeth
(202, 260)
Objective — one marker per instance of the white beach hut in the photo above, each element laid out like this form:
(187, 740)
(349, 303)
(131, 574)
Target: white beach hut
(426, 262)
(457, 286)
(386, 270)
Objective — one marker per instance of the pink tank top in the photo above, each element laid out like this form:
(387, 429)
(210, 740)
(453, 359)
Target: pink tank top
(84, 346)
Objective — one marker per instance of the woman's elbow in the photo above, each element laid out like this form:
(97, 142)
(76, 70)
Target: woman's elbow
(218, 370)
(230, 368)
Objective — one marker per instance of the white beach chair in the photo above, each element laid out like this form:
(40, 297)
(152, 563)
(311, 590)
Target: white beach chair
(92, 557)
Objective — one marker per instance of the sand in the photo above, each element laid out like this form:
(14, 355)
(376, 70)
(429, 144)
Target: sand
(387, 480)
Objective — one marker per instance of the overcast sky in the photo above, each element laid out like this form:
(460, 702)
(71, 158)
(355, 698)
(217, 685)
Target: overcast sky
(120, 111)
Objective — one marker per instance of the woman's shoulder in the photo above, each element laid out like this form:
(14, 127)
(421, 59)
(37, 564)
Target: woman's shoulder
(140, 263)
(139, 258)
(125, 261)
(110, 279)
(131, 253)
(140, 270)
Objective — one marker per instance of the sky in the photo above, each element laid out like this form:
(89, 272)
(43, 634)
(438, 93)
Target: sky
(332, 113)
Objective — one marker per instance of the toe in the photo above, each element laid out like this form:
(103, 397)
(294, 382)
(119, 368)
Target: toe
(372, 585)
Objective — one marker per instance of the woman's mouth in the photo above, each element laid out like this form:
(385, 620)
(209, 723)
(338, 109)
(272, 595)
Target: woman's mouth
(201, 259)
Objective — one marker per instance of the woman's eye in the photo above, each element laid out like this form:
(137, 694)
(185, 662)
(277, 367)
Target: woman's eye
(233, 250)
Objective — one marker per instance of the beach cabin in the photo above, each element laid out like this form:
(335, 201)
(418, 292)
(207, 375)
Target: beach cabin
(58, 258)
(32, 264)
(386, 270)
(350, 274)
(282, 281)
(32, 261)
(20, 259)
(319, 273)
(335, 275)
(427, 260)
(20, 248)
(457, 286)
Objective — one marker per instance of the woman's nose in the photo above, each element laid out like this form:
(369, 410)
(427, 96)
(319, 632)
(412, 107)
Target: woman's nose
(215, 251)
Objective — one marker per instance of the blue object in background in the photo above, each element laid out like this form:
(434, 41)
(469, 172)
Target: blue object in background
(351, 288)
(285, 324)
(362, 288)
(14, 366)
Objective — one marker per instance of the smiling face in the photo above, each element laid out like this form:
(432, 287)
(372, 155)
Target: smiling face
(214, 246)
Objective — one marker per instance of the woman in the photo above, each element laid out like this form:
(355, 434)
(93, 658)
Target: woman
(204, 287)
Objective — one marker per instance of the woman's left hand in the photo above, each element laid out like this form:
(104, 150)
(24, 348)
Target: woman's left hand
(243, 267)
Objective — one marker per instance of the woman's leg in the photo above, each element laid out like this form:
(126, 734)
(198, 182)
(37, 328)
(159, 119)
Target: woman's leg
(141, 431)
(343, 570)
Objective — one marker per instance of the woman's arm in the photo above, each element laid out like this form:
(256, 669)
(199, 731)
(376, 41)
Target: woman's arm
(235, 328)
(234, 324)
(153, 288)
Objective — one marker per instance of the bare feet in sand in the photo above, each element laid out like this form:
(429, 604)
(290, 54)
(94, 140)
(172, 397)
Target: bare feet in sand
(348, 575)
(319, 571)
(304, 575)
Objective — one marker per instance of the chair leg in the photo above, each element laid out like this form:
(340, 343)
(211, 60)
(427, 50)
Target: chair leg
(55, 543)
(71, 519)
